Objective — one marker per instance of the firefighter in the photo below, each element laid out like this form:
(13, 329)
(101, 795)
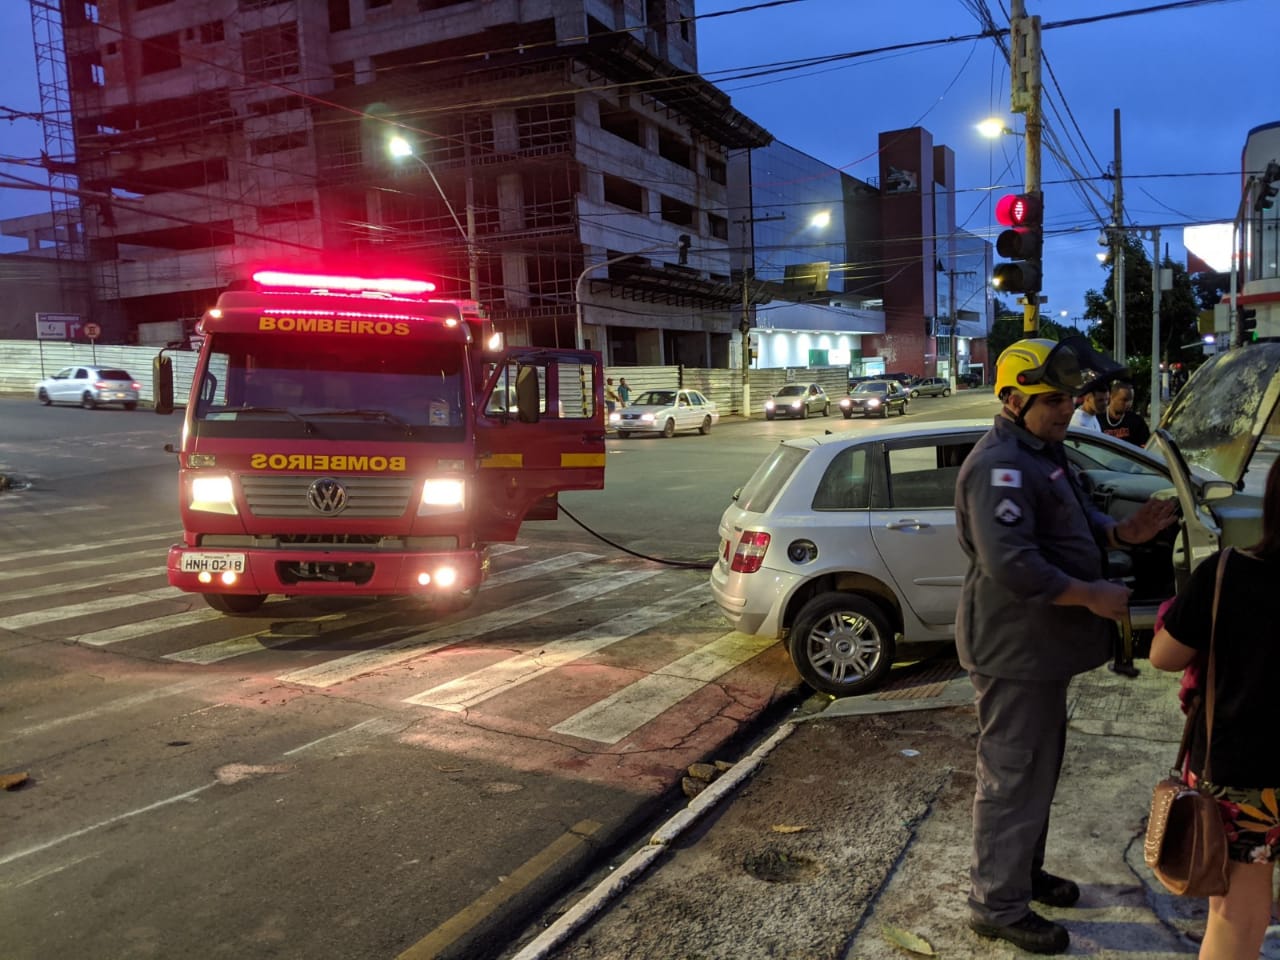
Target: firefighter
(1036, 608)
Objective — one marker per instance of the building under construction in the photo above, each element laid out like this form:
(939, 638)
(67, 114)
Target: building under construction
(559, 161)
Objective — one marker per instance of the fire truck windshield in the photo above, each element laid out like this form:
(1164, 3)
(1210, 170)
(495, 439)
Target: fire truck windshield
(258, 386)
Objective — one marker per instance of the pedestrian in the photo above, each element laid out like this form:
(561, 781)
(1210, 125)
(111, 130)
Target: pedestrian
(1093, 402)
(1119, 420)
(1036, 608)
(624, 391)
(1244, 763)
(610, 396)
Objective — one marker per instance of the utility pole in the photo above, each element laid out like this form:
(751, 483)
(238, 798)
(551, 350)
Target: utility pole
(1024, 42)
(1156, 296)
(748, 275)
(954, 349)
(1118, 248)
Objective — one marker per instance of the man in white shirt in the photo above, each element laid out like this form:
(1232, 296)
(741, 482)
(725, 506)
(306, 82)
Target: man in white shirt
(1095, 401)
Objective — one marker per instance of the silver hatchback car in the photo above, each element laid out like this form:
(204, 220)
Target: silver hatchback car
(90, 387)
(845, 545)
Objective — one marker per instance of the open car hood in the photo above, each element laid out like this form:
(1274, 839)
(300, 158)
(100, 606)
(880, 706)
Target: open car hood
(1220, 415)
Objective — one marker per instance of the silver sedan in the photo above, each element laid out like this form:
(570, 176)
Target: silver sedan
(664, 412)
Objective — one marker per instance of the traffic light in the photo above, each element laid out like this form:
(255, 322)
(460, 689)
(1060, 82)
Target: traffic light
(1248, 326)
(1022, 214)
(1267, 189)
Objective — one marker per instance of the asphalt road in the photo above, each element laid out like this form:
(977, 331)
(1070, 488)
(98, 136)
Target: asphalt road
(347, 778)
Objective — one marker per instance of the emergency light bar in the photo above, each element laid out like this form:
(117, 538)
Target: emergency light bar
(317, 281)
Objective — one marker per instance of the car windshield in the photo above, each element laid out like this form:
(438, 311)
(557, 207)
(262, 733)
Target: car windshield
(655, 398)
(792, 391)
(250, 386)
(1218, 417)
(878, 386)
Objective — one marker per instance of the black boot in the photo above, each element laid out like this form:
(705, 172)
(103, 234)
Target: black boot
(1032, 933)
(1054, 891)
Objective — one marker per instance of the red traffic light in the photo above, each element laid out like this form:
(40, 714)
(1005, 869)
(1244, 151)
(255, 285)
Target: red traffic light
(1018, 209)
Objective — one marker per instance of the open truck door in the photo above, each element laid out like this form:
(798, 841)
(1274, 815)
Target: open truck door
(539, 430)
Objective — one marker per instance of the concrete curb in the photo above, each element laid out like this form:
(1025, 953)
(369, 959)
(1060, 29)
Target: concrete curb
(658, 844)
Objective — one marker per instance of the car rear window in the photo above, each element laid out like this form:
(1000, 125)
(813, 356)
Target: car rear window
(115, 375)
(769, 479)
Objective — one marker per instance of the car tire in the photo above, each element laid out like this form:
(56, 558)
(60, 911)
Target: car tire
(88, 402)
(768, 416)
(914, 394)
(826, 409)
(946, 391)
(131, 406)
(43, 397)
(848, 415)
(623, 434)
(884, 412)
(841, 643)
(669, 428)
(235, 604)
(804, 411)
(705, 428)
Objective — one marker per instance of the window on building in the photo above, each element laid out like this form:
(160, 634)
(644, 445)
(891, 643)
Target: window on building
(265, 108)
(161, 53)
(212, 32)
(339, 15)
(718, 226)
(272, 52)
(675, 149)
(716, 170)
(374, 4)
(622, 123)
(673, 211)
(545, 125)
(344, 74)
(148, 4)
(623, 193)
(98, 74)
(285, 212)
(90, 11)
(278, 143)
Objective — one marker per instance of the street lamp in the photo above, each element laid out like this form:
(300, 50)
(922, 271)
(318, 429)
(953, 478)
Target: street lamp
(577, 287)
(399, 148)
(994, 127)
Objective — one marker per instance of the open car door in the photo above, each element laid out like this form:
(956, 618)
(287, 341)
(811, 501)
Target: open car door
(539, 430)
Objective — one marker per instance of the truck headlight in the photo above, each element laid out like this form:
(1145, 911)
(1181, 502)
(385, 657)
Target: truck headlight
(213, 494)
(442, 496)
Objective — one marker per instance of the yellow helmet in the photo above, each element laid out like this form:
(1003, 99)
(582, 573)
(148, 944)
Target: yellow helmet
(1045, 366)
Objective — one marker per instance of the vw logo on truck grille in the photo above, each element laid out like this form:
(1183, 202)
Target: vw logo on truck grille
(327, 495)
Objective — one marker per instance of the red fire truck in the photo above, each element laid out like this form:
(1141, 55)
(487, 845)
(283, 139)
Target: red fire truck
(351, 436)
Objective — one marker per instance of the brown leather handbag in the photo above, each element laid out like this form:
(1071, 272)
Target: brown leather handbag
(1186, 842)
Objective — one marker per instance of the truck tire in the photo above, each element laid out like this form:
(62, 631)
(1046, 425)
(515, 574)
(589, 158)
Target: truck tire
(842, 643)
(235, 604)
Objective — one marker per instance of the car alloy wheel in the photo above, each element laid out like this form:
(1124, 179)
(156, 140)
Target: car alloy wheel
(706, 426)
(87, 401)
(841, 643)
(946, 391)
(914, 394)
(669, 428)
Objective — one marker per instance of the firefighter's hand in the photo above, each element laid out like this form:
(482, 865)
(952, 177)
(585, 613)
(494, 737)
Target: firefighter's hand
(1107, 599)
(1145, 522)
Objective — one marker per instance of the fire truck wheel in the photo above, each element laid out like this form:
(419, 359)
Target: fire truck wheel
(669, 428)
(235, 603)
(706, 426)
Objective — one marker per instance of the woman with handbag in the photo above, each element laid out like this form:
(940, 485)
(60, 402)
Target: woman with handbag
(1244, 773)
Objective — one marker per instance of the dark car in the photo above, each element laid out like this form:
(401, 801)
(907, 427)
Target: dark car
(906, 379)
(797, 400)
(930, 387)
(875, 398)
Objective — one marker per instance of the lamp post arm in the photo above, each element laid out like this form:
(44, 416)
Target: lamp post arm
(577, 287)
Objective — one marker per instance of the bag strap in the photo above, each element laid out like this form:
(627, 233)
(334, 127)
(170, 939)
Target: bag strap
(1204, 703)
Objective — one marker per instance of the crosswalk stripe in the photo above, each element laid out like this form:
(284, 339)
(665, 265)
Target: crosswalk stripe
(96, 545)
(102, 605)
(266, 639)
(114, 560)
(146, 628)
(619, 715)
(467, 691)
(406, 648)
(27, 504)
(56, 588)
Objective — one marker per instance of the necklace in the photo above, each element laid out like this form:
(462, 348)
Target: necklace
(1113, 423)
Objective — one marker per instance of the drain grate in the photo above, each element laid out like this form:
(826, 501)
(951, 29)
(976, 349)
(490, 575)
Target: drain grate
(921, 681)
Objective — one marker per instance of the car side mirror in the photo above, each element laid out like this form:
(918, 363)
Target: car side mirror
(162, 383)
(1216, 490)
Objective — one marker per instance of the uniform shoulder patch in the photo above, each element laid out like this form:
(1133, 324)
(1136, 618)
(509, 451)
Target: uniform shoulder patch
(1006, 477)
(1008, 513)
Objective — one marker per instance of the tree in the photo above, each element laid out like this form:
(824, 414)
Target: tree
(1007, 327)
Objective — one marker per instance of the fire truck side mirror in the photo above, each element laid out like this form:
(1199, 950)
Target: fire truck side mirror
(527, 399)
(162, 383)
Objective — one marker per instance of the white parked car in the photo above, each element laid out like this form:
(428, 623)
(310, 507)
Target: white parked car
(90, 387)
(664, 412)
(845, 545)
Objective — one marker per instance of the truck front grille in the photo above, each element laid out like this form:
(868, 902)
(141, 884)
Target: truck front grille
(290, 496)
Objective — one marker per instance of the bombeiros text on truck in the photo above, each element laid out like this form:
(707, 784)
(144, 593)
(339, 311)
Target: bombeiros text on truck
(351, 436)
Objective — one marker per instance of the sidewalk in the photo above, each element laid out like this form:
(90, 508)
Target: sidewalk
(856, 822)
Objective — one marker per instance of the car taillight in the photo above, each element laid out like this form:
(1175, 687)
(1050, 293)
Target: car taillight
(750, 553)
(136, 385)
(100, 385)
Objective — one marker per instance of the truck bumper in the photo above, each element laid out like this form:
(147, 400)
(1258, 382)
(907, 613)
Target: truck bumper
(320, 572)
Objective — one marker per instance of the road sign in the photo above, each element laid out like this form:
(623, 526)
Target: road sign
(55, 326)
(92, 331)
